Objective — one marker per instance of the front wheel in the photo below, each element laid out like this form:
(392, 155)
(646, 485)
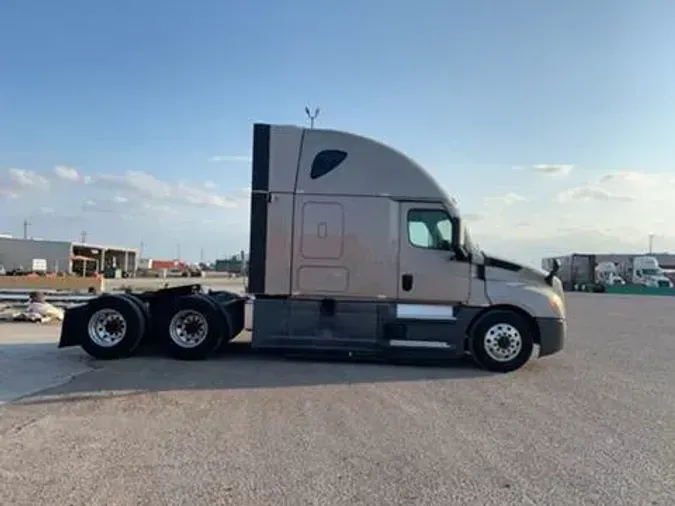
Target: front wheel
(501, 341)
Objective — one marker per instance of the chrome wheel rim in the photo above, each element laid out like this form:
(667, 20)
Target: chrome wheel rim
(188, 328)
(107, 328)
(503, 342)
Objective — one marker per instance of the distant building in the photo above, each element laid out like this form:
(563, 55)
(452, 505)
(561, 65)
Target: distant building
(64, 256)
(234, 264)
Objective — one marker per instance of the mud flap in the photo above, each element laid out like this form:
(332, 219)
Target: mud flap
(73, 327)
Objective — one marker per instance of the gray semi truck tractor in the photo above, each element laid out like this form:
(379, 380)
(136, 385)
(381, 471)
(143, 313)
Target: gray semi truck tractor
(354, 249)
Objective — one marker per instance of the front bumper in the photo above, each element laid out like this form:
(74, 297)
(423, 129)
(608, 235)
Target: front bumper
(552, 333)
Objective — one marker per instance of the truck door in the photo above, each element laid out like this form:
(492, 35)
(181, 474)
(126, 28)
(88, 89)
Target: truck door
(428, 270)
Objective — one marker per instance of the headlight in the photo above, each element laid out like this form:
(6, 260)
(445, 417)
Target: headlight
(557, 304)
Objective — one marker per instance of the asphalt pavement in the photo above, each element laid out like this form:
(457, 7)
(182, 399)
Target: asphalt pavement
(593, 425)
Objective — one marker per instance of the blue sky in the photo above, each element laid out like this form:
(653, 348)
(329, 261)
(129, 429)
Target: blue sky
(550, 122)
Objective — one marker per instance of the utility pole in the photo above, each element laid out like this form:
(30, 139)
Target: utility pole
(201, 255)
(140, 250)
(178, 251)
(26, 225)
(651, 243)
(312, 115)
(83, 237)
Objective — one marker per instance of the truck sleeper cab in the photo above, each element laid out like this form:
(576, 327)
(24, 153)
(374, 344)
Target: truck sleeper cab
(355, 248)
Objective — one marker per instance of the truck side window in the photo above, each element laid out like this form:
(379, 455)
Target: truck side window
(429, 228)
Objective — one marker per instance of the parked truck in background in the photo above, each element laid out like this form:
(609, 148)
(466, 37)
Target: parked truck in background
(607, 273)
(645, 271)
(576, 271)
(354, 249)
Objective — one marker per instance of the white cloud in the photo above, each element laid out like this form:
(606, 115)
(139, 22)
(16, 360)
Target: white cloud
(146, 186)
(623, 186)
(16, 182)
(66, 173)
(552, 169)
(473, 217)
(8, 193)
(27, 179)
(588, 193)
(230, 158)
(508, 199)
(631, 177)
(209, 185)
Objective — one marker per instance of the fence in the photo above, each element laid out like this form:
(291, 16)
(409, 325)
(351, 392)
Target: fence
(59, 299)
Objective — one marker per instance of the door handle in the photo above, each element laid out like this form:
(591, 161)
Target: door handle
(407, 282)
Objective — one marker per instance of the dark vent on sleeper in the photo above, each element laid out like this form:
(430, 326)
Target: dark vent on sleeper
(326, 161)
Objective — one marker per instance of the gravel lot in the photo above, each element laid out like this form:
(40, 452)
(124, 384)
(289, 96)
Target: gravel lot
(592, 425)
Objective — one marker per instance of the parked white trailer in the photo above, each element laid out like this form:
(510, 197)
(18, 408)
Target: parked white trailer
(355, 249)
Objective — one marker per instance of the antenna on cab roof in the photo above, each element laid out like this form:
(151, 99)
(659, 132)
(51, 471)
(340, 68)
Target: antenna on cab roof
(312, 115)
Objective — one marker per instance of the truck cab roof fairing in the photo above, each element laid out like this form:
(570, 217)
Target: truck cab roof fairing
(361, 166)
(369, 168)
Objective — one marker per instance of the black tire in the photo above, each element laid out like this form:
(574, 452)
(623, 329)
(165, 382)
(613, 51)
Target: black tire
(199, 314)
(121, 312)
(145, 310)
(497, 334)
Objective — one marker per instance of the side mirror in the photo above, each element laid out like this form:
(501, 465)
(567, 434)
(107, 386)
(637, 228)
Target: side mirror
(457, 233)
(556, 266)
(458, 240)
(553, 272)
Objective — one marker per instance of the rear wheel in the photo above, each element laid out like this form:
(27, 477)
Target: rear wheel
(145, 311)
(195, 328)
(115, 326)
(501, 341)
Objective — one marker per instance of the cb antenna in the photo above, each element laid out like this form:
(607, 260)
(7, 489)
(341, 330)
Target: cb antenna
(312, 115)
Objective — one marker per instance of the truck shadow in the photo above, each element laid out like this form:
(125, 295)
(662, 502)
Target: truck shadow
(237, 368)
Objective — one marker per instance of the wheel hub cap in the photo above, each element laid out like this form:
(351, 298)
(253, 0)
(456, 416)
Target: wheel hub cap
(107, 328)
(188, 328)
(503, 342)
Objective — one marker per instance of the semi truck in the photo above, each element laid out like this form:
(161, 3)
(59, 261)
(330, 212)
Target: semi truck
(646, 271)
(354, 249)
(576, 271)
(607, 273)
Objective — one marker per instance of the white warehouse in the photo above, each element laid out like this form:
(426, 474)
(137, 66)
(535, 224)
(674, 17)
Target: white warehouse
(64, 256)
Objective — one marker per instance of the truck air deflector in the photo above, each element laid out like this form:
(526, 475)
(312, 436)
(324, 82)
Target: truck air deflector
(259, 202)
